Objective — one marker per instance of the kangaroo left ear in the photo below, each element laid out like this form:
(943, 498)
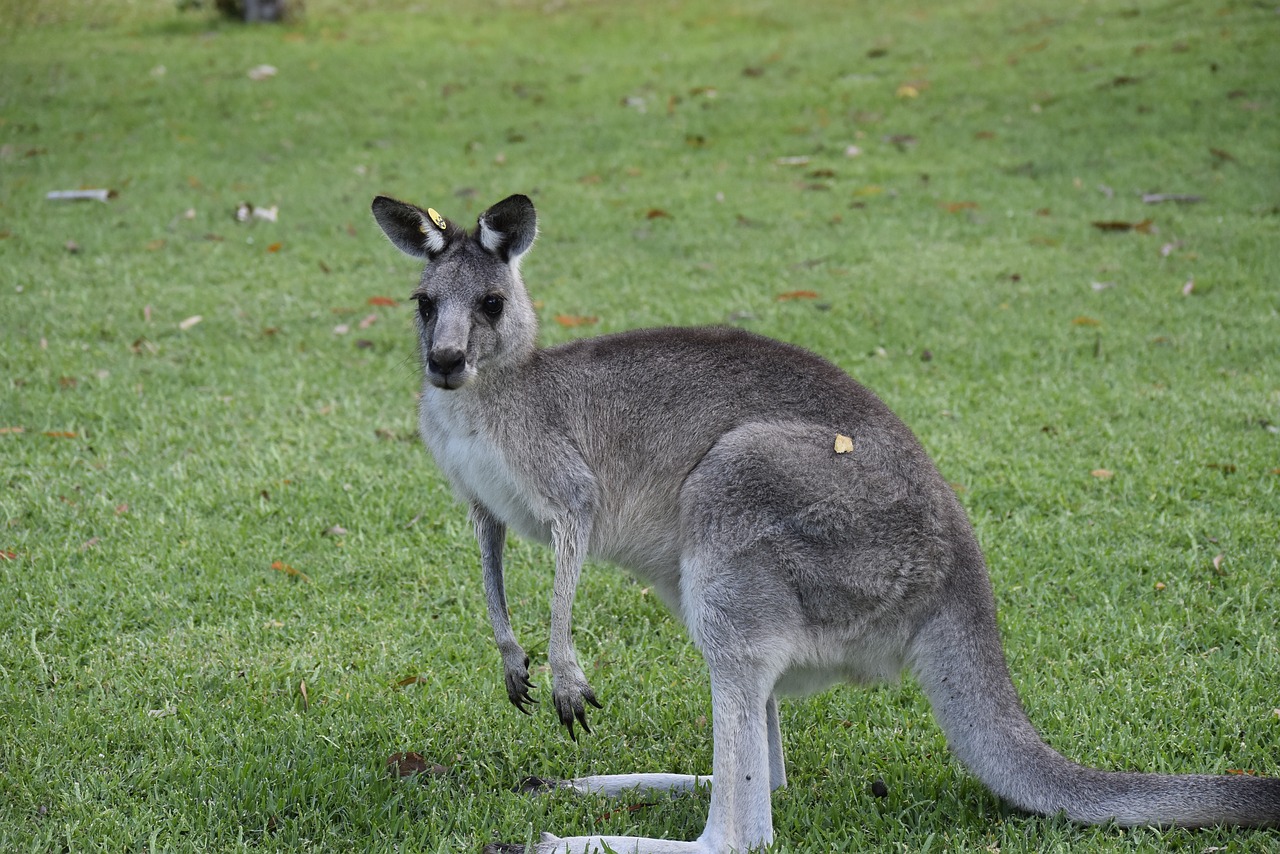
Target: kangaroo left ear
(422, 234)
(508, 228)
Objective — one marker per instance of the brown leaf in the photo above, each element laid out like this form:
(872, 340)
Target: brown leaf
(1102, 474)
(410, 680)
(1085, 321)
(1143, 227)
(572, 320)
(623, 811)
(367, 321)
(384, 301)
(280, 566)
(1224, 156)
(155, 245)
(122, 509)
(90, 543)
(1217, 563)
(401, 765)
(985, 134)
(274, 247)
(60, 434)
(956, 207)
(5, 554)
(657, 213)
(13, 429)
(302, 689)
(794, 295)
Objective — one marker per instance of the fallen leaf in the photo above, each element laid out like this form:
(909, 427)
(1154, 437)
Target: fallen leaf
(364, 344)
(385, 301)
(274, 247)
(956, 207)
(336, 531)
(280, 566)
(400, 765)
(90, 543)
(60, 434)
(1224, 156)
(1085, 321)
(302, 689)
(13, 429)
(843, 445)
(907, 91)
(167, 711)
(623, 811)
(155, 245)
(1188, 287)
(794, 295)
(657, 213)
(72, 247)
(190, 322)
(572, 320)
(122, 509)
(367, 321)
(1142, 227)
(410, 680)
(5, 554)
(985, 134)
(1217, 563)
(1102, 474)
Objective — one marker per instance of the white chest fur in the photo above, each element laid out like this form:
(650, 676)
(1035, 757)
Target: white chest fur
(467, 454)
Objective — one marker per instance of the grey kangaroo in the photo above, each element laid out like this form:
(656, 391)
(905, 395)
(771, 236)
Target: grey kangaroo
(780, 510)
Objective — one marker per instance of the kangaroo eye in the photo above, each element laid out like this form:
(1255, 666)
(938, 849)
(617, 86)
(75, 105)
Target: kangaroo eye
(492, 305)
(426, 307)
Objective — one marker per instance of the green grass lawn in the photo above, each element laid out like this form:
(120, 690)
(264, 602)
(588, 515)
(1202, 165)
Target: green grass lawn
(909, 189)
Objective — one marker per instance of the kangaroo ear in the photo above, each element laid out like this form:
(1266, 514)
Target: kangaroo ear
(422, 234)
(508, 228)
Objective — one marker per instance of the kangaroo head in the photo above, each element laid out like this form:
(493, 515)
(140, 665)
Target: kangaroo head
(474, 314)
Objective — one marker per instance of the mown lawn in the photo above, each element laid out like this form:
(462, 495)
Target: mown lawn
(234, 584)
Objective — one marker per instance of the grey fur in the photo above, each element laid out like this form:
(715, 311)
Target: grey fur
(702, 460)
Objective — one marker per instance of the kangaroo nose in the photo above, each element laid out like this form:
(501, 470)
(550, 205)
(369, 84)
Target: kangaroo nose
(445, 362)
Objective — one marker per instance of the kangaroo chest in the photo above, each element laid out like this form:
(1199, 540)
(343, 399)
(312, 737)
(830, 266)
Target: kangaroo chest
(475, 466)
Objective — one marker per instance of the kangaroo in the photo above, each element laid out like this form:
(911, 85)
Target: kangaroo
(790, 520)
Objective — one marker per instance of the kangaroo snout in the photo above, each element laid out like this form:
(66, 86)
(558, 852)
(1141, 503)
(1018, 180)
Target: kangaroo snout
(447, 367)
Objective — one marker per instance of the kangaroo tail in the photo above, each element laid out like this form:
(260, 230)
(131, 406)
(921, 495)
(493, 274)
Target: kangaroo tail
(958, 660)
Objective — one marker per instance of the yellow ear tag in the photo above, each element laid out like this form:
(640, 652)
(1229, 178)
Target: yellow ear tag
(437, 219)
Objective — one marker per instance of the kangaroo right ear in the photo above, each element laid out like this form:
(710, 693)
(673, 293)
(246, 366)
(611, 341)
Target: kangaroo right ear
(508, 228)
(422, 234)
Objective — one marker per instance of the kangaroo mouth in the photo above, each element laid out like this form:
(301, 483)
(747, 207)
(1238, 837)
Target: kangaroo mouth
(450, 381)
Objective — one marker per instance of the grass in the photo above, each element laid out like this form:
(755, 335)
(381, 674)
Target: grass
(152, 657)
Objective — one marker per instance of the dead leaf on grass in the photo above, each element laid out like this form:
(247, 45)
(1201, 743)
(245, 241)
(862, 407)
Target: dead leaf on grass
(383, 301)
(5, 554)
(572, 320)
(1142, 227)
(795, 295)
(1103, 474)
(1085, 321)
(281, 566)
(190, 322)
(401, 765)
(957, 207)
(410, 680)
